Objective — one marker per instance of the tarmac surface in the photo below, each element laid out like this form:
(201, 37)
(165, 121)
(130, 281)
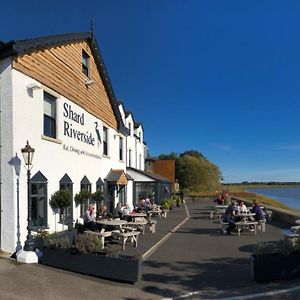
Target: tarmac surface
(195, 262)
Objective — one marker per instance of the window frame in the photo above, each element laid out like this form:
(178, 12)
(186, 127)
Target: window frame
(105, 141)
(85, 63)
(50, 119)
(121, 148)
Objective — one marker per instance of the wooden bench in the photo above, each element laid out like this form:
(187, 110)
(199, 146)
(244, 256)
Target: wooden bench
(224, 226)
(293, 232)
(239, 226)
(262, 225)
(152, 225)
(102, 235)
(139, 224)
(124, 236)
(247, 224)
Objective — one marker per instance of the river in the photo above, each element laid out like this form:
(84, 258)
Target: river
(287, 195)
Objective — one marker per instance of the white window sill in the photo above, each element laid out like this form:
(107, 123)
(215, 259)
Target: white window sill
(50, 139)
(106, 156)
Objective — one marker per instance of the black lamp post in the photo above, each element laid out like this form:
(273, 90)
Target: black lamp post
(27, 153)
(222, 181)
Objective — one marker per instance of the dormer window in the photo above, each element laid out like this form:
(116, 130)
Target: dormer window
(85, 63)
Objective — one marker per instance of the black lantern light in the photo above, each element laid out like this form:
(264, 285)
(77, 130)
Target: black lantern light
(27, 153)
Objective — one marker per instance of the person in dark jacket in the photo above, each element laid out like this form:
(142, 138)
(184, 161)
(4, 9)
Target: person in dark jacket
(230, 215)
(256, 209)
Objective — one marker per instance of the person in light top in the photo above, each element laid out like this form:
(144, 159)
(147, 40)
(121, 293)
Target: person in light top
(242, 209)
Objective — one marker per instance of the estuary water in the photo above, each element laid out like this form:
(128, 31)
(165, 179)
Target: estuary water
(290, 196)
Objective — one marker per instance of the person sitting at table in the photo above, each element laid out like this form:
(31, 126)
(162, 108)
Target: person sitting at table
(141, 205)
(256, 209)
(229, 216)
(89, 218)
(242, 209)
(227, 199)
(219, 200)
(102, 213)
(126, 211)
(118, 211)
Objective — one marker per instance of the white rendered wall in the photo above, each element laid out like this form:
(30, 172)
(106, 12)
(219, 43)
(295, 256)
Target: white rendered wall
(8, 187)
(53, 159)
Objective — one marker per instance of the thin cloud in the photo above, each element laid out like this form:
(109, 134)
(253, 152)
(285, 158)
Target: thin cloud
(290, 147)
(224, 147)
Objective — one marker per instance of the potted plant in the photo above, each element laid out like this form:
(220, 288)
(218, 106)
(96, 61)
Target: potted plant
(177, 200)
(60, 200)
(83, 254)
(82, 197)
(97, 197)
(165, 204)
(276, 260)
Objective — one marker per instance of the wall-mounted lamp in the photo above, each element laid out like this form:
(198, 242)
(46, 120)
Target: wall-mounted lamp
(89, 82)
(33, 86)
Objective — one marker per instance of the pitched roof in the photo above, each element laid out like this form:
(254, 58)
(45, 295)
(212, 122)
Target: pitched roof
(20, 47)
(115, 175)
(150, 174)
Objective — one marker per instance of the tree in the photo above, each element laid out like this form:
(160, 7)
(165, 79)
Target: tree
(61, 199)
(194, 171)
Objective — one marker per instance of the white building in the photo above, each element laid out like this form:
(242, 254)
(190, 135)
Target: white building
(55, 93)
(135, 145)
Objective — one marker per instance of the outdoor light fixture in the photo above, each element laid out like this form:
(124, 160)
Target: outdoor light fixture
(33, 86)
(89, 82)
(222, 181)
(27, 153)
(28, 255)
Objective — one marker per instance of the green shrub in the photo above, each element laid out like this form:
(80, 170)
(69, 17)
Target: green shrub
(60, 200)
(97, 197)
(165, 204)
(112, 250)
(82, 197)
(88, 243)
(60, 243)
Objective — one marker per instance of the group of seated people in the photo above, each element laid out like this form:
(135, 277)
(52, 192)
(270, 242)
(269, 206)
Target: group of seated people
(91, 216)
(233, 210)
(123, 212)
(223, 199)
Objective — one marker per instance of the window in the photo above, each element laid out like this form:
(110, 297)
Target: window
(49, 115)
(140, 162)
(121, 148)
(140, 136)
(66, 184)
(129, 157)
(85, 63)
(130, 129)
(39, 200)
(105, 140)
(85, 185)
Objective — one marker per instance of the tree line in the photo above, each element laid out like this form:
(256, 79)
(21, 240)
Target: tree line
(194, 171)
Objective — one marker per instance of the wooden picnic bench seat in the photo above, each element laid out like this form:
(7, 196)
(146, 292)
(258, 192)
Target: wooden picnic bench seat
(247, 224)
(139, 224)
(239, 226)
(293, 232)
(152, 225)
(102, 235)
(124, 236)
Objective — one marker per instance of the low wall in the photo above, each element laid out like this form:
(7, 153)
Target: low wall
(286, 216)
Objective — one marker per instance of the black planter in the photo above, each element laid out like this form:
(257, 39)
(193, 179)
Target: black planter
(275, 266)
(115, 268)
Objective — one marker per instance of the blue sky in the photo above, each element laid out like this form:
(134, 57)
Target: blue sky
(220, 77)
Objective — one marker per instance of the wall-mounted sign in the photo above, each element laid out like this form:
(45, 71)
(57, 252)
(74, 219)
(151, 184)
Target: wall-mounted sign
(81, 135)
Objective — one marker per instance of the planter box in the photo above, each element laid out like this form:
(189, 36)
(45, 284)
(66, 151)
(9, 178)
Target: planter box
(275, 266)
(115, 268)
